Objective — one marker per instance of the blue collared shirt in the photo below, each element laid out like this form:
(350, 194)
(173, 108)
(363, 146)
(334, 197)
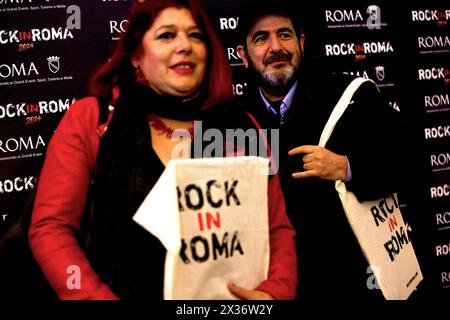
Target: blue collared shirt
(285, 105)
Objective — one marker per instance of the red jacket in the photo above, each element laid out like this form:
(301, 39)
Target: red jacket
(60, 202)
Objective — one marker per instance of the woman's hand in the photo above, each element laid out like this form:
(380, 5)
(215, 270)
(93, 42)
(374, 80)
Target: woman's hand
(246, 294)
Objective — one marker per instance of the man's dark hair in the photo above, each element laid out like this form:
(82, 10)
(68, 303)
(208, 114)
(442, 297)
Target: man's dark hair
(260, 8)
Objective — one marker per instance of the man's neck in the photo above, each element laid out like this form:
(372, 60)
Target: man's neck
(271, 97)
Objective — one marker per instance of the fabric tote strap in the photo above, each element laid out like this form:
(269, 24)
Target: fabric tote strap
(340, 108)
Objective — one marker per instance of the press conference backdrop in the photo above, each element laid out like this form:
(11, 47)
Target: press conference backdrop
(49, 48)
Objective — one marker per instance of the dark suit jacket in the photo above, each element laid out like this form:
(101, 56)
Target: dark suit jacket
(329, 258)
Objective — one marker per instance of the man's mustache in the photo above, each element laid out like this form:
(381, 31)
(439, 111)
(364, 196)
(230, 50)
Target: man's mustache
(277, 57)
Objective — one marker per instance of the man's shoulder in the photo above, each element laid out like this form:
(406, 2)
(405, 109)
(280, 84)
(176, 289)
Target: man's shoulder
(342, 79)
(334, 82)
(330, 87)
(250, 96)
(229, 114)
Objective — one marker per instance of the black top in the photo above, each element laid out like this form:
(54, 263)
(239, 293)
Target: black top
(126, 256)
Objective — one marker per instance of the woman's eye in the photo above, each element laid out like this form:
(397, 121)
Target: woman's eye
(197, 36)
(166, 35)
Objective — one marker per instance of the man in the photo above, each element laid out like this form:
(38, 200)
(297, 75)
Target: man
(361, 150)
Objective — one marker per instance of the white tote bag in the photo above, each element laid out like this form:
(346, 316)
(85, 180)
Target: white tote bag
(378, 225)
(212, 217)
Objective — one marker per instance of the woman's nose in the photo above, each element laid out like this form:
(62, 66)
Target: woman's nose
(184, 44)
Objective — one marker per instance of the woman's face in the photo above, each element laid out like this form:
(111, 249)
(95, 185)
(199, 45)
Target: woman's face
(173, 56)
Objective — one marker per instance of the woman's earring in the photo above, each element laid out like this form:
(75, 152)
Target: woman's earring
(140, 76)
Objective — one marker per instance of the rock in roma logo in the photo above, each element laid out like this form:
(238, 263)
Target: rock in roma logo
(53, 64)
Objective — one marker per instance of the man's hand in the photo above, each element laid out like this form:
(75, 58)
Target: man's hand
(248, 294)
(320, 163)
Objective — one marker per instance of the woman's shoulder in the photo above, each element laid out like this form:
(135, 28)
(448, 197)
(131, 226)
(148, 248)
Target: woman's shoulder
(85, 110)
(85, 104)
(82, 115)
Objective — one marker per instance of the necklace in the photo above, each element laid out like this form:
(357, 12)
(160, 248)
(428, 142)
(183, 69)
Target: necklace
(162, 128)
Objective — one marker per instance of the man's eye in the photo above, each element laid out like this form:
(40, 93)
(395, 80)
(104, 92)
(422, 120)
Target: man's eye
(166, 35)
(285, 36)
(260, 39)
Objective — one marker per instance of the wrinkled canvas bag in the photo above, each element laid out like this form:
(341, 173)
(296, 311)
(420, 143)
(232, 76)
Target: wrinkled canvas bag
(212, 217)
(385, 241)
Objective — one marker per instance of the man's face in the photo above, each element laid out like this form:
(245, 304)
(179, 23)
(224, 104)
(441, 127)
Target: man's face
(274, 52)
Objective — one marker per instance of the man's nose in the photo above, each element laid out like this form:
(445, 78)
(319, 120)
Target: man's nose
(274, 43)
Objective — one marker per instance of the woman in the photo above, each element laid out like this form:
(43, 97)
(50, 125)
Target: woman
(162, 73)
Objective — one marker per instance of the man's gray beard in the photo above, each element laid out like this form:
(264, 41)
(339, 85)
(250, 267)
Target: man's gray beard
(274, 83)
